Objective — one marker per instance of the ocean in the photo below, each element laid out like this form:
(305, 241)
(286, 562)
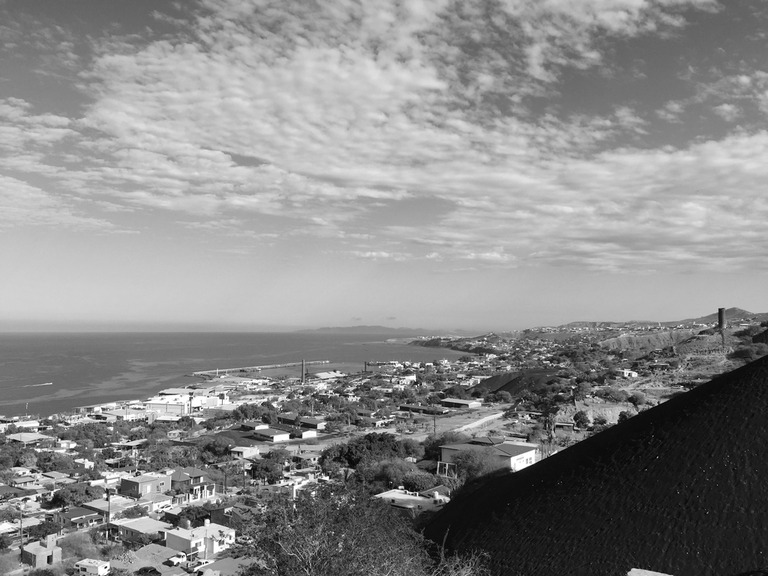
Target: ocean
(49, 373)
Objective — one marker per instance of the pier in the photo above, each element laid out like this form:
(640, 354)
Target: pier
(227, 371)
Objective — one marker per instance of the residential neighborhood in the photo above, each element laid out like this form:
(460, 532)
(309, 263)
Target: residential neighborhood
(178, 481)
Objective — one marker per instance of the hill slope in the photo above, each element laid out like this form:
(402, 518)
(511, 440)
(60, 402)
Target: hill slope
(680, 489)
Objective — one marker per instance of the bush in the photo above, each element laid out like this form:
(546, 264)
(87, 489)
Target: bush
(637, 398)
(581, 419)
(599, 421)
(624, 416)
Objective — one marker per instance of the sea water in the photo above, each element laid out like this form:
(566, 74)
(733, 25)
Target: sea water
(91, 368)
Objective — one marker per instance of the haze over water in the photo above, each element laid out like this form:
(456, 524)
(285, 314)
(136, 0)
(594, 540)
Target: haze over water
(90, 368)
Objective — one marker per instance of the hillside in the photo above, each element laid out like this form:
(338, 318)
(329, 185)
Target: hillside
(647, 342)
(516, 382)
(679, 489)
(731, 314)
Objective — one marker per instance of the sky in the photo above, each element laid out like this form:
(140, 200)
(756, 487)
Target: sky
(475, 164)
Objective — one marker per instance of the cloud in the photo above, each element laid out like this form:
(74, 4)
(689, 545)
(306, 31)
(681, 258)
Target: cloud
(327, 118)
(26, 205)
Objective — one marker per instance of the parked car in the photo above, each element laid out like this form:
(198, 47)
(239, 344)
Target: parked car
(177, 559)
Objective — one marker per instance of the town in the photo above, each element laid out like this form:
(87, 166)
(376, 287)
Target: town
(182, 482)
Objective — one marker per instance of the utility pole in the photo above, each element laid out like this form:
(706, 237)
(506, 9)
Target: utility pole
(21, 531)
(109, 511)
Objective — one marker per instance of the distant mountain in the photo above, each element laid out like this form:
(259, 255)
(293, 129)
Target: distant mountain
(731, 315)
(374, 330)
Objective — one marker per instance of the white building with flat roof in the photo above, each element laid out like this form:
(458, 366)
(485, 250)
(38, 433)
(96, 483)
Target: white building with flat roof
(92, 567)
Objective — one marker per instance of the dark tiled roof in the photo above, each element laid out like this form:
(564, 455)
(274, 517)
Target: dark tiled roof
(680, 489)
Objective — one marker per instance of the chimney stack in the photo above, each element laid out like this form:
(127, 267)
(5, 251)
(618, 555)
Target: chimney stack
(721, 321)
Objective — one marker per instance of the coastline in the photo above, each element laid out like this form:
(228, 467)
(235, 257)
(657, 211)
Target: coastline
(88, 369)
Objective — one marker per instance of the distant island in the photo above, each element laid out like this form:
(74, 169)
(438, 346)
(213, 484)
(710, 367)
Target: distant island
(376, 330)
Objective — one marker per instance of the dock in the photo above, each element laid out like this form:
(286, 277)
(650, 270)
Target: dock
(226, 371)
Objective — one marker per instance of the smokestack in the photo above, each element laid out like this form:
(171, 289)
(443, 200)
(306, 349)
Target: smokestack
(721, 321)
(303, 370)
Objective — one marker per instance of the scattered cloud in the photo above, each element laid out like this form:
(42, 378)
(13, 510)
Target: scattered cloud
(328, 117)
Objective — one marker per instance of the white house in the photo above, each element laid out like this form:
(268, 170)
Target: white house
(460, 403)
(91, 567)
(414, 503)
(506, 455)
(204, 541)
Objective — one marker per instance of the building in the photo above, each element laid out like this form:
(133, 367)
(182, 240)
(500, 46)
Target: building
(41, 554)
(111, 508)
(191, 485)
(414, 503)
(131, 530)
(203, 542)
(243, 452)
(272, 435)
(29, 438)
(293, 419)
(459, 403)
(91, 567)
(78, 518)
(139, 486)
(506, 455)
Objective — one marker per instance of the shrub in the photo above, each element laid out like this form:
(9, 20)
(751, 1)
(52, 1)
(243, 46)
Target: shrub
(581, 419)
(637, 398)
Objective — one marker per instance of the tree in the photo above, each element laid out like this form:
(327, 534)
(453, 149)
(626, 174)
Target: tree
(134, 512)
(473, 463)
(624, 416)
(581, 419)
(417, 481)
(336, 533)
(42, 530)
(76, 494)
(42, 572)
(78, 545)
(637, 398)
(5, 541)
(197, 515)
(433, 442)
(599, 421)
(373, 447)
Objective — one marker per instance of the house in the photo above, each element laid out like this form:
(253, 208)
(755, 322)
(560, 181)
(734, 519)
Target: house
(505, 455)
(293, 419)
(111, 508)
(132, 530)
(627, 373)
(190, 485)
(414, 503)
(78, 518)
(28, 438)
(92, 567)
(243, 452)
(459, 403)
(41, 554)
(203, 541)
(84, 463)
(154, 503)
(131, 448)
(225, 567)
(138, 486)
(296, 433)
(307, 459)
(272, 435)
(424, 409)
